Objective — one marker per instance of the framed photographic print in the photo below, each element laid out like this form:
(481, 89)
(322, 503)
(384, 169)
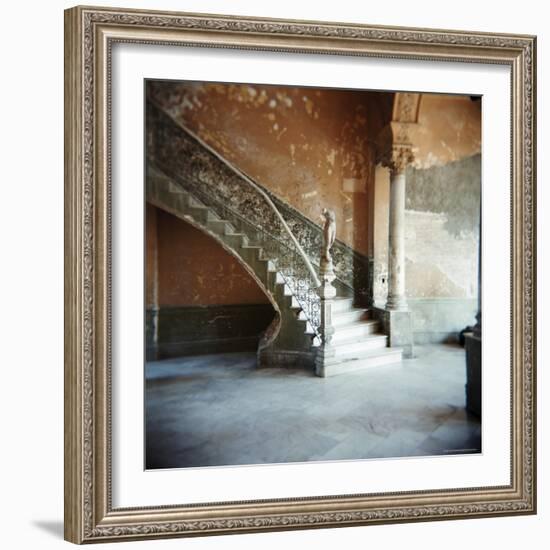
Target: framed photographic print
(281, 240)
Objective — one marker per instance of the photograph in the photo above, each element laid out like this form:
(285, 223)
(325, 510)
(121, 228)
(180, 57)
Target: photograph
(300, 273)
(312, 274)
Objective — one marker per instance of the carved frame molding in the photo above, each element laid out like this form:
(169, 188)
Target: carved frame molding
(89, 34)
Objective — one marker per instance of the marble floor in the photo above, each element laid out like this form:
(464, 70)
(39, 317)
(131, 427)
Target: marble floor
(214, 410)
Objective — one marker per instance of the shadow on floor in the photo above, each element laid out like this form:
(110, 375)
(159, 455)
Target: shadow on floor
(52, 527)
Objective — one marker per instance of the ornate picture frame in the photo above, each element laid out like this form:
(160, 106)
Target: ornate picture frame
(90, 34)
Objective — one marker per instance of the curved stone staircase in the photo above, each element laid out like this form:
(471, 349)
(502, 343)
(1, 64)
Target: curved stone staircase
(293, 337)
(290, 340)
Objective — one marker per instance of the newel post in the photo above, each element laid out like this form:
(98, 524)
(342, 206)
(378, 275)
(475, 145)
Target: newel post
(326, 353)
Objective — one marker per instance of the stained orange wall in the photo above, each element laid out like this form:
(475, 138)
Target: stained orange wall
(193, 269)
(311, 147)
(448, 130)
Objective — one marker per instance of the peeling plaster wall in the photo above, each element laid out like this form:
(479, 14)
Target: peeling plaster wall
(443, 196)
(448, 130)
(194, 270)
(442, 237)
(311, 147)
(442, 243)
(443, 199)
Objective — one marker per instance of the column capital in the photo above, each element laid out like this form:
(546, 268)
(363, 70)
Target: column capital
(394, 146)
(397, 158)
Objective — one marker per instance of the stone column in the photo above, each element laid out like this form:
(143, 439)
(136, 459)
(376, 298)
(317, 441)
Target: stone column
(396, 249)
(397, 319)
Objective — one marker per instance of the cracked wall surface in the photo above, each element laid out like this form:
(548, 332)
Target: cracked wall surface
(442, 236)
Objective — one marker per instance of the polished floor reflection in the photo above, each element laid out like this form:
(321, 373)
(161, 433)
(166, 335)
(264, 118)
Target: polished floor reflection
(215, 410)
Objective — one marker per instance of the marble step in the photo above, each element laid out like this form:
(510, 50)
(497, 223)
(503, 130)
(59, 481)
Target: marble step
(251, 253)
(366, 361)
(271, 265)
(218, 226)
(196, 205)
(357, 346)
(346, 317)
(194, 202)
(199, 214)
(355, 330)
(178, 189)
(227, 233)
(259, 266)
(222, 228)
(342, 304)
(235, 241)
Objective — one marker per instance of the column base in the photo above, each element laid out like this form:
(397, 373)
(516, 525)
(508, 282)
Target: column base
(398, 327)
(396, 303)
(472, 345)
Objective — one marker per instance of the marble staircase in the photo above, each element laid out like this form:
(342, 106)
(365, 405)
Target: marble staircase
(357, 342)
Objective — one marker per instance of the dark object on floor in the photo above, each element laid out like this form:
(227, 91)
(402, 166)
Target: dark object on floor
(473, 374)
(461, 338)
